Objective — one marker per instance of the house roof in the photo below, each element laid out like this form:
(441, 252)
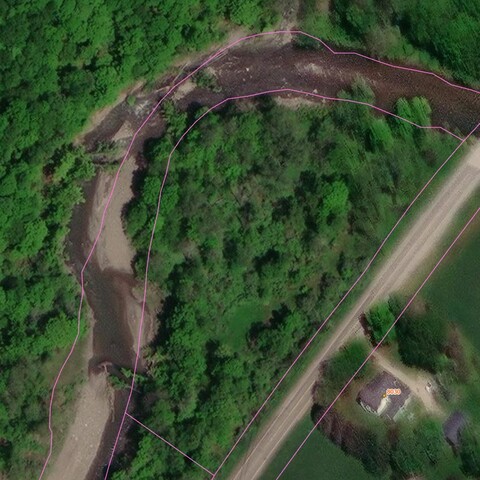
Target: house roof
(373, 393)
(452, 426)
(396, 402)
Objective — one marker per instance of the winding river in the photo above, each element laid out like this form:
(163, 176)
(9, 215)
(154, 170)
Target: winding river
(111, 286)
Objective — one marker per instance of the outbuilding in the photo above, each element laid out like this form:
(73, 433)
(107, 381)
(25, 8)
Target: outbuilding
(452, 428)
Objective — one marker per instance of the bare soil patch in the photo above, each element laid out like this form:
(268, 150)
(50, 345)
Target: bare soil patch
(416, 380)
(114, 249)
(260, 65)
(92, 412)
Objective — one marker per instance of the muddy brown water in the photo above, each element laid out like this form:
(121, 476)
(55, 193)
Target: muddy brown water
(106, 293)
(244, 70)
(258, 67)
(248, 70)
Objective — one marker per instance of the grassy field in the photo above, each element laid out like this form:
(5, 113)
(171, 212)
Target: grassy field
(235, 327)
(454, 290)
(321, 459)
(447, 468)
(318, 459)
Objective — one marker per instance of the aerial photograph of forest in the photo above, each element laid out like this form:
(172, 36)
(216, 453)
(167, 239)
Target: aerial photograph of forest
(239, 240)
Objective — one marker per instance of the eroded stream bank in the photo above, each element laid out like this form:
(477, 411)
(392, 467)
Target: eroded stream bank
(107, 288)
(113, 295)
(111, 289)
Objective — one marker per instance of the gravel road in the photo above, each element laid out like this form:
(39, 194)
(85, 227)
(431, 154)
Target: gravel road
(406, 260)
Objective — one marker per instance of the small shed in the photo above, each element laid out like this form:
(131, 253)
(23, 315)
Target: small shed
(452, 428)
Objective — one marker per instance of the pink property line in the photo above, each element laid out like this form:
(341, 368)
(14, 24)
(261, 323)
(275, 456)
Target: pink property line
(155, 108)
(379, 343)
(167, 168)
(153, 233)
(381, 62)
(169, 444)
(342, 299)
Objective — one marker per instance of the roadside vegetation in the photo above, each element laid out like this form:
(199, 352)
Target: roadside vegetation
(430, 340)
(404, 30)
(413, 445)
(421, 339)
(453, 293)
(367, 445)
(60, 62)
(438, 334)
(318, 454)
(267, 216)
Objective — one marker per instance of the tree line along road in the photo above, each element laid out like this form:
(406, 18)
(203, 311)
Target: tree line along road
(406, 259)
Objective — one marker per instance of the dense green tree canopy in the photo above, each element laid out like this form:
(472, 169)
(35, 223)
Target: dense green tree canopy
(263, 224)
(422, 340)
(338, 370)
(470, 451)
(440, 33)
(416, 448)
(59, 61)
(266, 222)
(379, 319)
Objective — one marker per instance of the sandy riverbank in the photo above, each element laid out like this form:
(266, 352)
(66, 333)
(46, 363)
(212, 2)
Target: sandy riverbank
(114, 249)
(112, 290)
(92, 412)
(112, 260)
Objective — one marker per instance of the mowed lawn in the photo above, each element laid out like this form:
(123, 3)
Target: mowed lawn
(239, 320)
(454, 290)
(319, 459)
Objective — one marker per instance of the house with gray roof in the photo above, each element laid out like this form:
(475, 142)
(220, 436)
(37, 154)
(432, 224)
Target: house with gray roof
(384, 395)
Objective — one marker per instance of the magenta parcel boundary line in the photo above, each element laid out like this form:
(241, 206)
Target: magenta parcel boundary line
(344, 297)
(168, 443)
(238, 97)
(155, 108)
(379, 343)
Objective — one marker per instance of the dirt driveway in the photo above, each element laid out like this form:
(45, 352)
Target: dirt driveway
(415, 379)
(405, 261)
